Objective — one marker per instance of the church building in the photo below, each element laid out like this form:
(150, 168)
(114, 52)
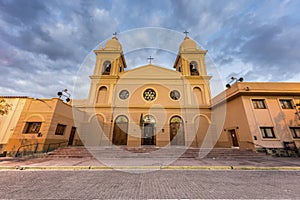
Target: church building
(148, 105)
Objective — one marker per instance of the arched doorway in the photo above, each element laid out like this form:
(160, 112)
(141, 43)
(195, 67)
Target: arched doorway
(148, 134)
(176, 131)
(120, 131)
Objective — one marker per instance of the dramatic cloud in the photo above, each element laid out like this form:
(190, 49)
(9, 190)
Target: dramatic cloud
(43, 43)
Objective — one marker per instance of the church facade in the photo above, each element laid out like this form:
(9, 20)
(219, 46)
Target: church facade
(148, 105)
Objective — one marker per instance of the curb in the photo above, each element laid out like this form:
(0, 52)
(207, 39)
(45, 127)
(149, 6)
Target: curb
(283, 168)
(253, 168)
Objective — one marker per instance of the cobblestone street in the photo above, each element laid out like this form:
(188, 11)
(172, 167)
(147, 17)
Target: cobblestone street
(163, 184)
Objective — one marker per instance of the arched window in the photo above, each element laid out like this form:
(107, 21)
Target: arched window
(102, 95)
(198, 95)
(194, 68)
(201, 124)
(176, 131)
(106, 67)
(120, 133)
(179, 68)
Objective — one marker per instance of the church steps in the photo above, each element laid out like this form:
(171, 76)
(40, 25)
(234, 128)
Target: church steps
(151, 152)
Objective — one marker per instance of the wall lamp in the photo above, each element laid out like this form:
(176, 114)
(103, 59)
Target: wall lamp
(64, 93)
(234, 80)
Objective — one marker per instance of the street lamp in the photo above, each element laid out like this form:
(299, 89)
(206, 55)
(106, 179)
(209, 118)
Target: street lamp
(234, 80)
(65, 94)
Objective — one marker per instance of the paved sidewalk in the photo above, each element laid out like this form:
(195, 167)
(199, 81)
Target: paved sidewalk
(267, 162)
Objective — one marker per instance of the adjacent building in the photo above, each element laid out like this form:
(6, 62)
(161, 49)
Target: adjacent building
(260, 115)
(8, 121)
(37, 125)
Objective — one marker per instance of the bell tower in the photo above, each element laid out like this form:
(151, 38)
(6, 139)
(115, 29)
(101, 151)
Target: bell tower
(190, 62)
(110, 62)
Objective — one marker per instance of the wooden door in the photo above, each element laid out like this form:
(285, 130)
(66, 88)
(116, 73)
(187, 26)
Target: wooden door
(233, 137)
(148, 136)
(176, 131)
(72, 135)
(120, 134)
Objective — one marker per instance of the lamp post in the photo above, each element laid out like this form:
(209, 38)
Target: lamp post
(64, 93)
(234, 80)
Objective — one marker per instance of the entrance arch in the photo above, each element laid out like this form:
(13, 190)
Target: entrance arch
(177, 131)
(120, 132)
(148, 134)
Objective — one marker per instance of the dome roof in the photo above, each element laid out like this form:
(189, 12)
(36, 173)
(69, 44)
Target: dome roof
(188, 44)
(113, 44)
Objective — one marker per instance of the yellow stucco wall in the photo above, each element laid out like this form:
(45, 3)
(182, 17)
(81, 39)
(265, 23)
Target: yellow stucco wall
(8, 122)
(50, 112)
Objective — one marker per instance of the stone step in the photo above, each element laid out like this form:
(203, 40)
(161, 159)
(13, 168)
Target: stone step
(121, 152)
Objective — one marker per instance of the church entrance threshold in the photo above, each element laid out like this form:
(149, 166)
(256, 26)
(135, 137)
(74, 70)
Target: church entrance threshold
(148, 134)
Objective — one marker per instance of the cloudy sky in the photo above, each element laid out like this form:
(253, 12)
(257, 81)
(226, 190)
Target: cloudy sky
(44, 43)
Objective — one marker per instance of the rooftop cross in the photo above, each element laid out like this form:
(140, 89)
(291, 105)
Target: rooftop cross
(186, 33)
(150, 59)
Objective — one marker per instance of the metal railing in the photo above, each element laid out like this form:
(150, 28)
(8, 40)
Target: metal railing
(280, 152)
(58, 144)
(256, 144)
(263, 148)
(30, 149)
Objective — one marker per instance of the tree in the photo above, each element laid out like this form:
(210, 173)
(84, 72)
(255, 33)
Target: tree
(4, 107)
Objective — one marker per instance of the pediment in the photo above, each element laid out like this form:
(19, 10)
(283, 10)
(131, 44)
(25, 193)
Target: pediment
(151, 72)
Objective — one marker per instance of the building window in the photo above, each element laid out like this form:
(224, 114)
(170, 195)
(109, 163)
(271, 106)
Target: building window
(194, 68)
(295, 132)
(149, 94)
(286, 104)
(106, 68)
(259, 103)
(124, 94)
(267, 132)
(32, 127)
(175, 95)
(60, 129)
